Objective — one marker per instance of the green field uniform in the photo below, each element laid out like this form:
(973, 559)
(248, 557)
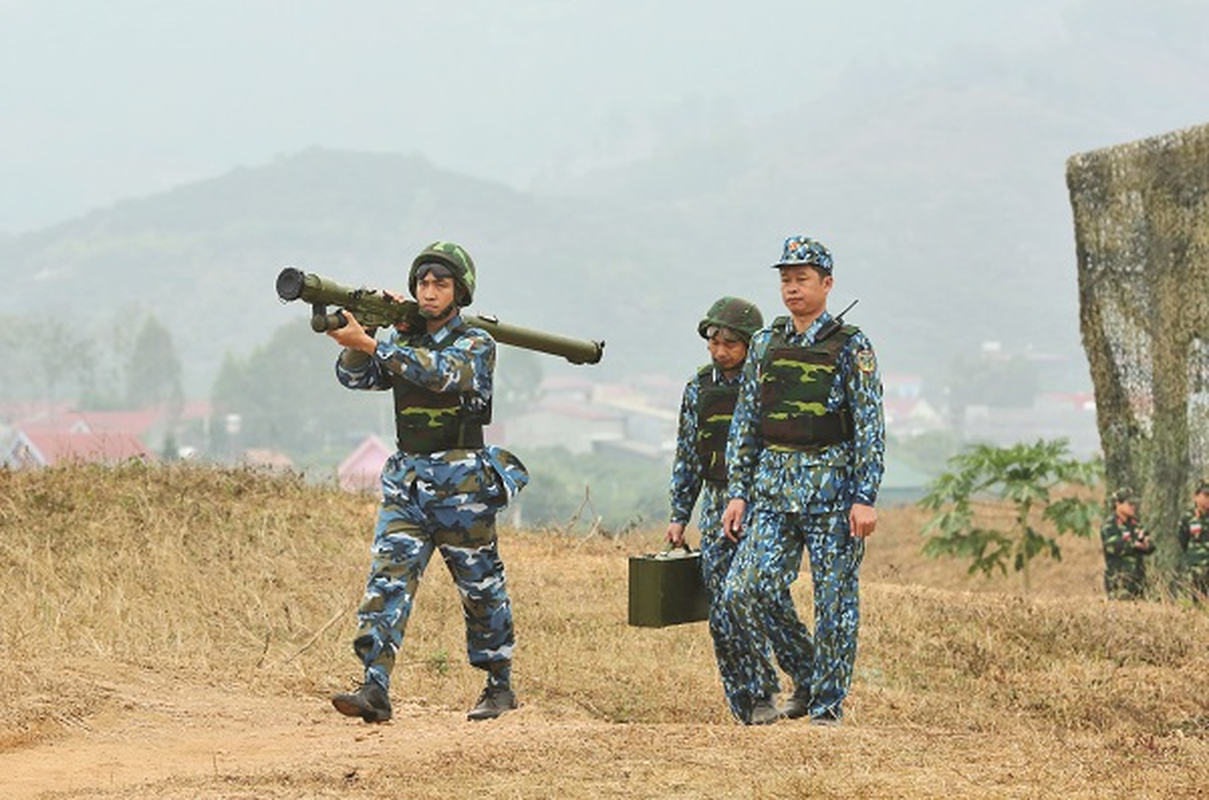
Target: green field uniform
(1194, 545)
(1125, 549)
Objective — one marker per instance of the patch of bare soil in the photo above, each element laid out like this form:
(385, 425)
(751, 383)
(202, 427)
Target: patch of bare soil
(157, 737)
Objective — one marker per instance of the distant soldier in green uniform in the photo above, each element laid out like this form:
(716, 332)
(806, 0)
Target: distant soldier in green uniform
(1194, 544)
(1126, 545)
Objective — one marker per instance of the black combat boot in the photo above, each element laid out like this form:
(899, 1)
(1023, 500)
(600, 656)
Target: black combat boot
(370, 702)
(798, 704)
(764, 712)
(494, 701)
(830, 717)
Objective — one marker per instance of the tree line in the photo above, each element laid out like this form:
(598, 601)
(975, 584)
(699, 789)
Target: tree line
(283, 396)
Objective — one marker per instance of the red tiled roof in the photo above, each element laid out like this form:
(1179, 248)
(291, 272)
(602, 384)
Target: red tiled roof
(63, 418)
(360, 470)
(56, 447)
(134, 422)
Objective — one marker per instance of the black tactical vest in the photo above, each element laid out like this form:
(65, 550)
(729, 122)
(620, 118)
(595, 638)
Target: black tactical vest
(715, 408)
(795, 381)
(428, 421)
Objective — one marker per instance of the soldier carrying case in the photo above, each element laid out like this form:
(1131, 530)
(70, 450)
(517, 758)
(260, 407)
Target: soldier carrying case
(666, 588)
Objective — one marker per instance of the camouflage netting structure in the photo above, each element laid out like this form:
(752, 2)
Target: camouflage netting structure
(1141, 213)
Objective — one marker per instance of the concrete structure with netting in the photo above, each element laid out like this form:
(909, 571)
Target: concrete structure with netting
(1141, 215)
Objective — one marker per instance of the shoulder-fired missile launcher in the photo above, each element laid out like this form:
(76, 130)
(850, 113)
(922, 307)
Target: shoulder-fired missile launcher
(374, 308)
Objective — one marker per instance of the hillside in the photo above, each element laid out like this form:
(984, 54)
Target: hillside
(175, 633)
(941, 194)
(204, 257)
(631, 268)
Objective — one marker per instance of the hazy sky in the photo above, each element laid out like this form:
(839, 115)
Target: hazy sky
(103, 101)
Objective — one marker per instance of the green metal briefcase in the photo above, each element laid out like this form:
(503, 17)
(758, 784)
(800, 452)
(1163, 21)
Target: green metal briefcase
(666, 589)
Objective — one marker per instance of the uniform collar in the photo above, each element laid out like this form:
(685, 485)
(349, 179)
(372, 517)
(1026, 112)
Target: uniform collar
(443, 332)
(720, 379)
(810, 332)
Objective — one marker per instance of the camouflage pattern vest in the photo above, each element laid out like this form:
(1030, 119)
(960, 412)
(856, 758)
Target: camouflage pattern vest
(429, 422)
(1194, 540)
(715, 407)
(795, 381)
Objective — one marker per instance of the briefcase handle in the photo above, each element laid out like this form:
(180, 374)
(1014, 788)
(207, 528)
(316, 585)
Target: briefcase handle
(669, 551)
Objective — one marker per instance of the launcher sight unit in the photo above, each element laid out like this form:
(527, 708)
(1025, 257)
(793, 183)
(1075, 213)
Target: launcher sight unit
(375, 309)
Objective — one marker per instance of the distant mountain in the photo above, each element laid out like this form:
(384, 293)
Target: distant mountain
(941, 193)
(204, 256)
(940, 257)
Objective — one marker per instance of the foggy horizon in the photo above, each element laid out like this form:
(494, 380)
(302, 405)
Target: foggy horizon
(127, 99)
(668, 147)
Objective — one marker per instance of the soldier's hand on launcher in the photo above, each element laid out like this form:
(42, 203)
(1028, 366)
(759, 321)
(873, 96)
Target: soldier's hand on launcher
(352, 335)
(406, 324)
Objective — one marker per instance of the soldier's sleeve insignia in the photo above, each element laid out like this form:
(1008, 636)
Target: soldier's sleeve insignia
(865, 361)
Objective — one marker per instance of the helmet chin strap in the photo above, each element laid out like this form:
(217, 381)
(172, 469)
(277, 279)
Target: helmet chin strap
(440, 314)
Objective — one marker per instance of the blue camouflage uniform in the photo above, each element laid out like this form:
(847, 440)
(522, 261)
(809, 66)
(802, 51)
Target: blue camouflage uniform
(445, 500)
(800, 498)
(688, 482)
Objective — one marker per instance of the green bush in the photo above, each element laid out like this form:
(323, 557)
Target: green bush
(1027, 476)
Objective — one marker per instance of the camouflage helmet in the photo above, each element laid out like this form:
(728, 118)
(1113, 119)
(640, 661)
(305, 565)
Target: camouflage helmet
(734, 313)
(1125, 495)
(458, 262)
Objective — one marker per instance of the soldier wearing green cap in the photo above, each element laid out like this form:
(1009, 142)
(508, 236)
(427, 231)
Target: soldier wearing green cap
(1194, 545)
(442, 489)
(1126, 545)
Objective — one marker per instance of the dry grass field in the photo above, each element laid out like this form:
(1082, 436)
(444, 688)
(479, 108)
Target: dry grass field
(174, 632)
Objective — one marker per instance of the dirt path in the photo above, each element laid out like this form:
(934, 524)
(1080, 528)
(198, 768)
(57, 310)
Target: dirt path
(154, 731)
(160, 739)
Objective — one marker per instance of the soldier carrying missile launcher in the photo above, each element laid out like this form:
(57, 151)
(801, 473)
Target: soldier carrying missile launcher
(443, 488)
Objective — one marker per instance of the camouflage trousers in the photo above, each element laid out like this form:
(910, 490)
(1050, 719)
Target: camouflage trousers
(756, 597)
(1125, 582)
(734, 666)
(1194, 583)
(404, 540)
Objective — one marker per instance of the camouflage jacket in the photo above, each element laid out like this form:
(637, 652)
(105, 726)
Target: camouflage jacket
(821, 480)
(1194, 540)
(1124, 548)
(446, 361)
(687, 470)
